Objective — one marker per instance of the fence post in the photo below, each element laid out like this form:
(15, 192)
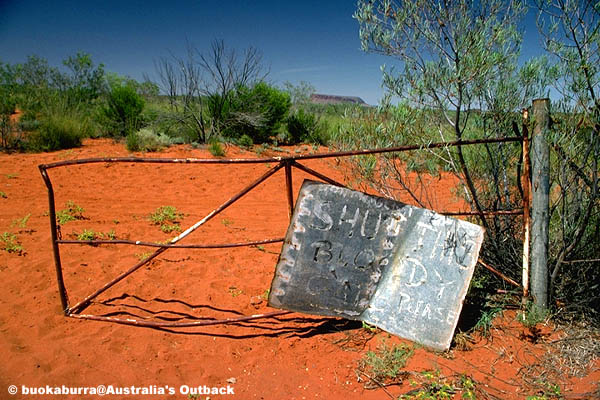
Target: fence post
(526, 184)
(540, 218)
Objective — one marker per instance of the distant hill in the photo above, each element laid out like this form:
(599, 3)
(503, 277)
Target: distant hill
(332, 99)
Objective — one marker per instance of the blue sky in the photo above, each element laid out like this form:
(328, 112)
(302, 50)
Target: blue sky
(314, 41)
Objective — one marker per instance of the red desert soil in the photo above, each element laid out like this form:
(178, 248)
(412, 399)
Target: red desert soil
(290, 357)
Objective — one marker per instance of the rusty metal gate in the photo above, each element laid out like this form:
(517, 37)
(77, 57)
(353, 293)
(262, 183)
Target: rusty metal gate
(286, 163)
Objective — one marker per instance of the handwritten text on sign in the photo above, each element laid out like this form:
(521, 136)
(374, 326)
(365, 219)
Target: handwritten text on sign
(399, 267)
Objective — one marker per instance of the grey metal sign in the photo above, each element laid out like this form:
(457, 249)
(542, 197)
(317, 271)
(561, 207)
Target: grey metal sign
(401, 268)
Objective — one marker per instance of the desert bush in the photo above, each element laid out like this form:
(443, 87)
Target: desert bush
(56, 132)
(7, 107)
(215, 148)
(305, 127)
(245, 141)
(147, 139)
(123, 111)
(256, 111)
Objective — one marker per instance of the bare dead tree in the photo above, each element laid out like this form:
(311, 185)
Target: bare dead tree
(200, 85)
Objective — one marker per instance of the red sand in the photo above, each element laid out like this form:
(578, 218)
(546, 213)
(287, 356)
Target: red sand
(292, 357)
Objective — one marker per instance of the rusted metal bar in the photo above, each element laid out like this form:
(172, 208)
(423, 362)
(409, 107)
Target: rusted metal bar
(581, 261)
(526, 185)
(405, 148)
(152, 160)
(447, 213)
(82, 304)
(317, 174)
(171, 246)
(497, 212)
(289, 188)
(62, 290)
(500, 274)
(156, 324)
(276, 159)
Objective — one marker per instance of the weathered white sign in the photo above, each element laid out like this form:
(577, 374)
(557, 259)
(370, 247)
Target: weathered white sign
(401, 268)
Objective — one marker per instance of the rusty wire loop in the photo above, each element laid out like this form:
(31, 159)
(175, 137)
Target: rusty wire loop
(285, 163)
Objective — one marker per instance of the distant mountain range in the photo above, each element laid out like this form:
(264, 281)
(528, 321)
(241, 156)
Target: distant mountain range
(333, 99)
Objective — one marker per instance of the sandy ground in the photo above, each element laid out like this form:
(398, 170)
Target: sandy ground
(290, 357)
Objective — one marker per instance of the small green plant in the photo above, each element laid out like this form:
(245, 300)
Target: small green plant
(216, 149)
(89, 234)
(386, 363)
(226, 222)
(168, 218)
(245, 141)
(532, 315)
(21, 222)
(259, 150)
(168, 228)
(266, 293)
(12, 176)
(10, 243)
(468, 388)
(73, 212)
(433, 386)
(547, 392)
(143, 256)
(3, 195)
(234, 291)
(484, 323)
(368, 327)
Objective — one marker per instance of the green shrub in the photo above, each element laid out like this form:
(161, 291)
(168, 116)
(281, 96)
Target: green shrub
(7, 107)
(256, 111)
(245, 141)
(28, 125)
(57, 132)
(147, 139)
(216, 149)
(123, 111)
(305, 127)
(132, 142)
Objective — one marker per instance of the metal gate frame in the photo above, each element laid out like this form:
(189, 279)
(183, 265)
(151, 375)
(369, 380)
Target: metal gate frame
(286, 163)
